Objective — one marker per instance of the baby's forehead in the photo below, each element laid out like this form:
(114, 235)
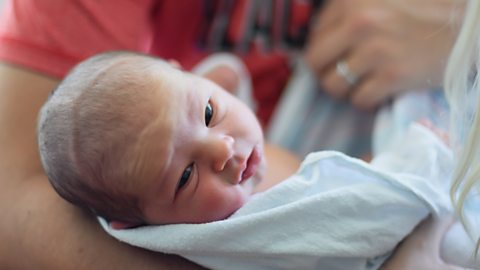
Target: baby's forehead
(147, 70)
(129, 74)
(152, 81)
(132, 68)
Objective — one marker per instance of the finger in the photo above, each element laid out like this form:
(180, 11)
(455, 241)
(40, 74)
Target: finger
(377, 87)
(364, 60)
(329, 15)
(328, 46)
(334, 82)
(370, 93)
(334, 41)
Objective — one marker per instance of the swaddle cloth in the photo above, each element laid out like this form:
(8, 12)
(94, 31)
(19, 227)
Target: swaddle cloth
(336, 212)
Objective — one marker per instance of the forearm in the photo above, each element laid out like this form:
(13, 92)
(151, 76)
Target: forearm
(44, 232)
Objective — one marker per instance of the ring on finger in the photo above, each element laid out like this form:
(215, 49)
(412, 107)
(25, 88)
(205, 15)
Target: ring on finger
(344, 71)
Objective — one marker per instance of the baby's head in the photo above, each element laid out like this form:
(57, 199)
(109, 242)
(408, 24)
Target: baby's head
(139, 141)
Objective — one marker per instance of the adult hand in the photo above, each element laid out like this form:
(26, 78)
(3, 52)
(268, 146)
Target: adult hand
(384, 47)
(421, 250)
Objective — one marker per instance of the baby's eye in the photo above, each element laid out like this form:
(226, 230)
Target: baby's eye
(208, 113)
(185, 177)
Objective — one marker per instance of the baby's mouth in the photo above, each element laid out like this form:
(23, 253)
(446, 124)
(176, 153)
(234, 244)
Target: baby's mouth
(253, 162)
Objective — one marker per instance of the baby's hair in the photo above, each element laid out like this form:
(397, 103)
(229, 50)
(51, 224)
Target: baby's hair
(88, 130)
(462, 89)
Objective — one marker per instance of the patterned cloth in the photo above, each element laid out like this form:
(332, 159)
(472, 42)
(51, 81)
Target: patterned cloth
(308, 120)
(392, 121)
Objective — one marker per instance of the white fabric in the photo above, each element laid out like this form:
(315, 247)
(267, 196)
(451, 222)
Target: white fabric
(393, 120)
(335, 213)
(244, 89)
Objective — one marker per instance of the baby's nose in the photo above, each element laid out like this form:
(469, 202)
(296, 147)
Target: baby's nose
(222, 151)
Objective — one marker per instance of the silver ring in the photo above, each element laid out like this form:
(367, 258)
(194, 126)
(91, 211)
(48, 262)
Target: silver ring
(344, 71)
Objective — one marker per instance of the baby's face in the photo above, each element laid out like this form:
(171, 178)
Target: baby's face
(206, 148)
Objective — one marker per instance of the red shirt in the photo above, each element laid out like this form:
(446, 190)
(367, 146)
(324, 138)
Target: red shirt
(51, 36)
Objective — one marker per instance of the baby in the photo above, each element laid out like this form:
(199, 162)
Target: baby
(138, 141)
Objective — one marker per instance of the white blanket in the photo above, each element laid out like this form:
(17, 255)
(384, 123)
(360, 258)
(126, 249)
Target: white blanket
(336, 212)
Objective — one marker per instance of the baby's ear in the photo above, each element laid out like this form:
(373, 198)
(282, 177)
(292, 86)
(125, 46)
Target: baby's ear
(120, 225)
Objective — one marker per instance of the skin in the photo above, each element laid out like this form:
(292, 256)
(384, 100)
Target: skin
(422, 247)
(39, 225)
(393, 46)
(210, 151)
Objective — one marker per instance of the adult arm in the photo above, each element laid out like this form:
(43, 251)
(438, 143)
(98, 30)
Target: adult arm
(38, 229)
(392, 46)
(421, 250)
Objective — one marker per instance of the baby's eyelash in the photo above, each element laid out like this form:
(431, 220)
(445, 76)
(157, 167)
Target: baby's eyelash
(209, 113)
(185, 178)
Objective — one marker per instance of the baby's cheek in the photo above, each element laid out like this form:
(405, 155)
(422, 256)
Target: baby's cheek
(221, 206)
